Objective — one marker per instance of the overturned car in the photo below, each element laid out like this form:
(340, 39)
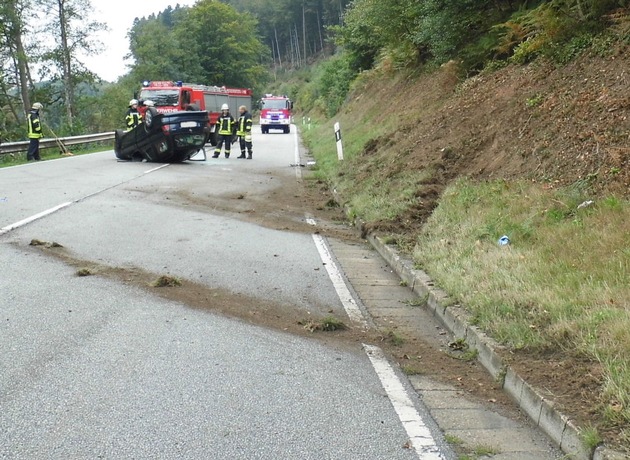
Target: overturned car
(163, 137)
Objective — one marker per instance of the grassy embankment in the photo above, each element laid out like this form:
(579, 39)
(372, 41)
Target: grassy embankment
(562, 285)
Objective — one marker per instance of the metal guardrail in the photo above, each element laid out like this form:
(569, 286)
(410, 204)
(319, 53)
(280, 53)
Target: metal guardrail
(47, 143)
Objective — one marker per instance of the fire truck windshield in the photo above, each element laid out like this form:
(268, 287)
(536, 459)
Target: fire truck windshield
(161, 97)
(274, 104)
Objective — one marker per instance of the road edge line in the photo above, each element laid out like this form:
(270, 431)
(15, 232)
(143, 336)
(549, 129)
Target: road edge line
(420, 436)
(341, 288)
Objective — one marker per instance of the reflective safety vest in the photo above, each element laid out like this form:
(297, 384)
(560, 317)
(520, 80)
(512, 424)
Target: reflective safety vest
(34, 125)
(225, 125)
(244, 124)
(133, 119)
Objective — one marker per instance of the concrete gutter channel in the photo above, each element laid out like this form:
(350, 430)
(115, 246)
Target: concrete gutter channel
(556, 425)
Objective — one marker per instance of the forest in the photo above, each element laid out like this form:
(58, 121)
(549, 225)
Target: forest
(253, 43)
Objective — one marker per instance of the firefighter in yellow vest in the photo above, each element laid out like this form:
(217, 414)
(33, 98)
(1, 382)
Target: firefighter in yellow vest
(226, 129)
(244, 132)
(133, 118)
(34, 132)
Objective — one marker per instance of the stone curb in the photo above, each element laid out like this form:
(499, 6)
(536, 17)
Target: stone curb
(555, 424)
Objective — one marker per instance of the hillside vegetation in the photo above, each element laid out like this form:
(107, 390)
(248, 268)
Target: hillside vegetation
(444, 160)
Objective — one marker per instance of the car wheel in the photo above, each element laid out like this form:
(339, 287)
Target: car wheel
(149, 117)
(287, 130)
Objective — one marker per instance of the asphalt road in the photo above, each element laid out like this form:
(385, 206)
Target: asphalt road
(95, 367)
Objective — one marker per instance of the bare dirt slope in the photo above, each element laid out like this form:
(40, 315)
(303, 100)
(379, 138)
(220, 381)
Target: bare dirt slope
(549, 124)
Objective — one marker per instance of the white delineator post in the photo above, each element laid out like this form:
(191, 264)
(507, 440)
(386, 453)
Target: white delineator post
(338, 139)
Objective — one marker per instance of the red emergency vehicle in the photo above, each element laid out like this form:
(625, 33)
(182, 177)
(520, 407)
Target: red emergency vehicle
(275, 113)
(169, 96)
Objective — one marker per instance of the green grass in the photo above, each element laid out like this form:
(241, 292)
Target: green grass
(562, 283)
(19, 158)
(470, 453)
(394, 338)
(485, 450)
(453, 440)
(410, 369)
(590, 437)
(418, 301)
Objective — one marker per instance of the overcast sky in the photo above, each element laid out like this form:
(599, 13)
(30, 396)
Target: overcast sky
(119, 16)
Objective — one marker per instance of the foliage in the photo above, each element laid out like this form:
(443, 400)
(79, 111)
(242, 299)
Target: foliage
(411, 32)
(446, 27)
(334, 83)
(209, 43)
(559, 29)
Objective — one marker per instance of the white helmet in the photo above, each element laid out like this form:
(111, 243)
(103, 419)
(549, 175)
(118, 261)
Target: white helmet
(133, 102)
(37, 106)
(225, 107)
(149, 103)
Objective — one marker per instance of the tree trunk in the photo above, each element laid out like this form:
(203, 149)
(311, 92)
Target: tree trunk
(275, 31)
(298, 57)
(319, 27)
(66, 64)
(304, 28)
(21, 62)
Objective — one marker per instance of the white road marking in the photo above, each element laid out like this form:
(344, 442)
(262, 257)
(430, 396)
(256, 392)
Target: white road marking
(419, 434)
(50, 211)
(157, 169)
(39, 215)
(345, 296)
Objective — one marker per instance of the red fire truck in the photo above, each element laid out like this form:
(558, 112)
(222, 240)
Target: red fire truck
(169, 96)
(275, 113)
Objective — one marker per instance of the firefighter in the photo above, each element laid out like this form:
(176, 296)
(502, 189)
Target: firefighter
(226, 128)
(34, 132)
(244, 132)
(133, 118)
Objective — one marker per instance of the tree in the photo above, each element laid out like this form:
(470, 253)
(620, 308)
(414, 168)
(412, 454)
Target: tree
(209, 43)
(12, 13)
(73, 34)
(155, 50)
(221, 45)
